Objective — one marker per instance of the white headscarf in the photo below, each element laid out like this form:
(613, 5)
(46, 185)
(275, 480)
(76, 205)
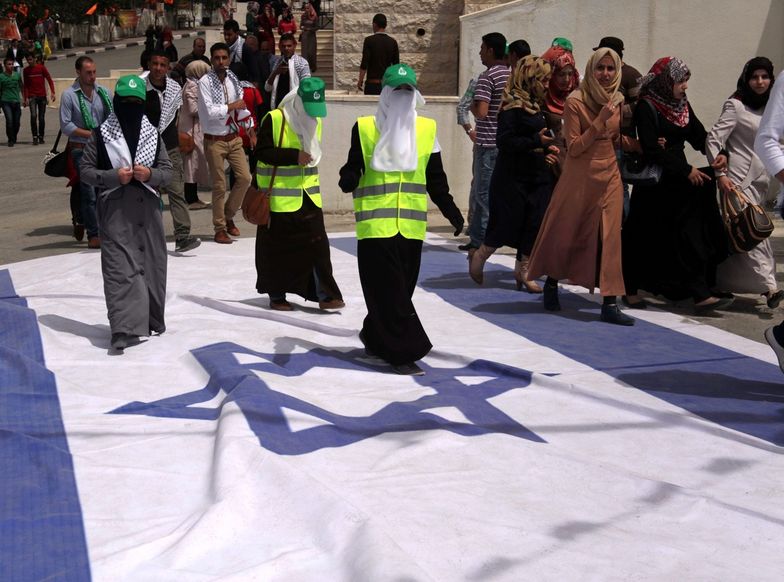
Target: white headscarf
(303, 125)
(396, 150)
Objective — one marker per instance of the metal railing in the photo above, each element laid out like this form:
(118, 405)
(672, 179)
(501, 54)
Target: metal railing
(327, 14)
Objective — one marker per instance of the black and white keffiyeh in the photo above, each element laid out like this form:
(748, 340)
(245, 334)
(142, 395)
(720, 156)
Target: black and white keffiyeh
(117, 148)
(171, 101)
(216, 86)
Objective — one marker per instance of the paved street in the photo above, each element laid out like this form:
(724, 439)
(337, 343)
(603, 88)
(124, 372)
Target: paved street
(36, 218)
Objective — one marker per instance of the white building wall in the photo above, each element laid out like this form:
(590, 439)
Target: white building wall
(714, 37)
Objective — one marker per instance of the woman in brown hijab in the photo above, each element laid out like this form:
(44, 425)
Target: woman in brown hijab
(522, 182)
(580, 238)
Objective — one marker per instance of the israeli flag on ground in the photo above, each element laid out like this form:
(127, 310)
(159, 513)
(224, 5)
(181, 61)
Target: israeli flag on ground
(246, 444)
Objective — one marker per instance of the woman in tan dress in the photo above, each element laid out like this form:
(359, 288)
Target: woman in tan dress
(194, 163)
(580, 238)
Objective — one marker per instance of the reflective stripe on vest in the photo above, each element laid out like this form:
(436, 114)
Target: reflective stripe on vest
(290, 181)
(388, 203)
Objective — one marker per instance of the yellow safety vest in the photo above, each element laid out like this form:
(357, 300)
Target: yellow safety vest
(387, 203)
(290, 181)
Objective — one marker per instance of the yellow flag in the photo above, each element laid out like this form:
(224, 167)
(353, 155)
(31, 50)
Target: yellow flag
(47, 49)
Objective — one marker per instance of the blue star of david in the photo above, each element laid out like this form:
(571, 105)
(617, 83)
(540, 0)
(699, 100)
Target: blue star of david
(263, 406)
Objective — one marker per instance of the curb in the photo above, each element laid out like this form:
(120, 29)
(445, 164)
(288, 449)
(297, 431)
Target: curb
(111, 47)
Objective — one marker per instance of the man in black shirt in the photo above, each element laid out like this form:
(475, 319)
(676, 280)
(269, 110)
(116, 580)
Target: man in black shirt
(379, 51)
(164, 100)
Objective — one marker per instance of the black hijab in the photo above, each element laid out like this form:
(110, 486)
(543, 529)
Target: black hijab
(129, 112)
(746, 94)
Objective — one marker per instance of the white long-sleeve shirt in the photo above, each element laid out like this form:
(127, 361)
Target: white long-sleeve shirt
(767, 143)
(214, 115)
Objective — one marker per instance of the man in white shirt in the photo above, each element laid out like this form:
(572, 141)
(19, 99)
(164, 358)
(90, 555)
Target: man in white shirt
(767, 146)
(221, 110)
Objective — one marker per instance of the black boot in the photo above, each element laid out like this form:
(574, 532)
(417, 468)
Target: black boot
(550, 295)
(611, 313)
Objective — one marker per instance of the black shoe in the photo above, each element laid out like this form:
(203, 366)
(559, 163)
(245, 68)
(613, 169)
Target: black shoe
(611, 313)
(775, 299)
(641, 304)
(119, 341)
(778, 349)
(187, 243)
(10, 144)
(550, 295)
(40, 139)
(409, 369)
(466, 247)
(35, 141)
(367, 351)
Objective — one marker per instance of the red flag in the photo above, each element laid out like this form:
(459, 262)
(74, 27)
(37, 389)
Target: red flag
(91, 10)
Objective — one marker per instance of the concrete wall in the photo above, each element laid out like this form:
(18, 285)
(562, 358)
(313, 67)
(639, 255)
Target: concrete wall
(714, 37)
(432, 55)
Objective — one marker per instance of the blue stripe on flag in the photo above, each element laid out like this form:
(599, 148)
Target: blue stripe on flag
(720, 385)
(41, 530)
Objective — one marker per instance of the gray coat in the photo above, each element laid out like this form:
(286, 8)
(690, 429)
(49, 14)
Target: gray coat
(133, 243)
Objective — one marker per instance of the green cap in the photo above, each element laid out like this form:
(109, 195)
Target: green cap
(311, 91)
(397, 75)
(562, 42)
(131, 86)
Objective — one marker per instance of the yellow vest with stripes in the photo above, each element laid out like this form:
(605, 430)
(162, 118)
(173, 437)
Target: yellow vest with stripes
(387, 203)
(290, 181)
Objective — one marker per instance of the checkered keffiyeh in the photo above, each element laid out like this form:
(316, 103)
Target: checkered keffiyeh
(171, 101)
(146, 150)
(216, 87)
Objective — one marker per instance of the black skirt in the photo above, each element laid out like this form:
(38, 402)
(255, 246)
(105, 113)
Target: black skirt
(293, 254)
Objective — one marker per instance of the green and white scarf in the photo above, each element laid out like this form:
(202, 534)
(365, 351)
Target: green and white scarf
(87, 116)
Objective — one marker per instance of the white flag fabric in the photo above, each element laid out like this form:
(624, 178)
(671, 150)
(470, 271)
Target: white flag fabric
(249, 444)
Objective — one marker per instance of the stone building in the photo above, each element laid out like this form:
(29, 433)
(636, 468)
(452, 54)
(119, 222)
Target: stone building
(427, 31)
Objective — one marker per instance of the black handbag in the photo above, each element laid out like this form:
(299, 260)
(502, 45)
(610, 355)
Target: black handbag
(56, 163)
(747, 224)
(635, 170)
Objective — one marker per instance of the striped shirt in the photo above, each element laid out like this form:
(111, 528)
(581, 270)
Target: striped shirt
(489, 89)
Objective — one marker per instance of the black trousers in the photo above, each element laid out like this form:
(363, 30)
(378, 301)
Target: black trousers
(388, 272)
(372, 88)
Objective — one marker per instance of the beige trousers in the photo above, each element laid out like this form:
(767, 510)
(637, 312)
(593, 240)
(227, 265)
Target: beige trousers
(224, 209)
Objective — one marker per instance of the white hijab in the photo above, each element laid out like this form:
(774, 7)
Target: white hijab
(396, 150)
(303, 125)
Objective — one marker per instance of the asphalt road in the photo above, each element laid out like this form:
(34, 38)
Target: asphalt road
(36, 216)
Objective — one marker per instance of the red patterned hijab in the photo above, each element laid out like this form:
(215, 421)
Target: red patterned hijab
(559, 58)
(657, 88)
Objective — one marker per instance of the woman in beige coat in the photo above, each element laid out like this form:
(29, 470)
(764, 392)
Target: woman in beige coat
(580, 238)
(194, 163)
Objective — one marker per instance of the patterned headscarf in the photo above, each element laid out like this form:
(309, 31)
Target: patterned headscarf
(657, 85)
(746, 94)
(560, 58)
(595, 95)
(527, 85)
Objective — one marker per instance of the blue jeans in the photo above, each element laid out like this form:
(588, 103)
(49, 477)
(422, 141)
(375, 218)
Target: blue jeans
(12, 110)
(37, 116)
(484, 163)
(87, 194)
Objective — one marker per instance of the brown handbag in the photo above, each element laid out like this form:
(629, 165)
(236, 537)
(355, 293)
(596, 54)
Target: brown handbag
(187, 145)
(256, 204)
(747, 224)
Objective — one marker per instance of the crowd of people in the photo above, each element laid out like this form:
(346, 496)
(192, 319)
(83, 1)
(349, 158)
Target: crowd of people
(549, 150)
